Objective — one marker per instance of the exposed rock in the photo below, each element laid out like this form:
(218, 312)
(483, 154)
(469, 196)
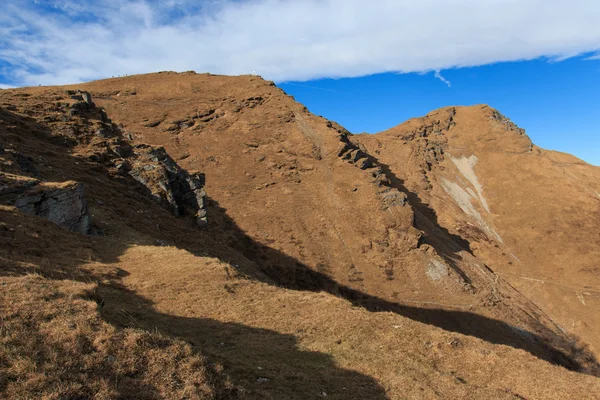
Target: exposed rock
(105, 131)
(203, 114)
(351, 152)
(64, 204)
(392, 197)
(165, 181)
(436, 270)
(104, 117)
(87, 98)
(168, 184)
(78, 108)
(85, 103)
(252, 102)
(507, 123)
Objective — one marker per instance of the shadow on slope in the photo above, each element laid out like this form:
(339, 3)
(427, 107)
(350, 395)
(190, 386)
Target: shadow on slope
(268, 364)
(32, 245)
(265, 363)
(288, 272)
(446, 244)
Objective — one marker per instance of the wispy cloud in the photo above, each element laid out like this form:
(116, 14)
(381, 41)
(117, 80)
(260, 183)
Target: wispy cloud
(57, 42)
(439, 76)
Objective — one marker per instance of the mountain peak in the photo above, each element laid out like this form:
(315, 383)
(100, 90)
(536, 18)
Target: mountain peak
(469, 128)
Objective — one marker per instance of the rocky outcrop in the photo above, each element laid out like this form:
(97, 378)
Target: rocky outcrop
(506, 123)
(163, 179)
(171, 186)
(84, 99)
(389, 194)
(64, 204)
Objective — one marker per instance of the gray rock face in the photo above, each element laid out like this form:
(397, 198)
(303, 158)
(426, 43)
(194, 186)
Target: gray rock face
(87, 98)
(175, 189)
(84, 103)
(65, 206)
(78, 108)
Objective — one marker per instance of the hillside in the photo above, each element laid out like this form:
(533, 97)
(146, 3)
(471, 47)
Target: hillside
(295, 259)
(530, 214)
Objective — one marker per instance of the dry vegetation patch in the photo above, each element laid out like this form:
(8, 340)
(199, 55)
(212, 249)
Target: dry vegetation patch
(54, 345)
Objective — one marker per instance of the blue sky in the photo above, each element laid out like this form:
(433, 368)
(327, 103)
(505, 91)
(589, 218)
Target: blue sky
(368, 67)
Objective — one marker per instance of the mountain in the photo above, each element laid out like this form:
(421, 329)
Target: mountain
(530, 214)
(207, 236)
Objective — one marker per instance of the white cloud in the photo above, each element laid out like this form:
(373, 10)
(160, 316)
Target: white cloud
(439, 76)
(284, 39)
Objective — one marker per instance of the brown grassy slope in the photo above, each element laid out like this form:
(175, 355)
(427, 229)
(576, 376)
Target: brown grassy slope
(544, 205)
(272, 342)
(55, 345)
(276, 170)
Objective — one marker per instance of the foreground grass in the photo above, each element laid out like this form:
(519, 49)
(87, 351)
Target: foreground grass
(54, 345)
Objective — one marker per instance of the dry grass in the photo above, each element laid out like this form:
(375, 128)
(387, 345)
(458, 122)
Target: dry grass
(308, 343)
(55, 345)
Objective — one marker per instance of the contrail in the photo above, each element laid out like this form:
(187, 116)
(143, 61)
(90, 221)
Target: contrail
(441, 78)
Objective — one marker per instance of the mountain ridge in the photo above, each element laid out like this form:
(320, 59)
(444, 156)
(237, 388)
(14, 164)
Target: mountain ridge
(294, 202)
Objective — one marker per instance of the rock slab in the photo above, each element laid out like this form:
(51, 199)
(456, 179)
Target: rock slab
(65, 206)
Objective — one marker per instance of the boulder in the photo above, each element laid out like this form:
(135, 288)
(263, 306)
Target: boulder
(87, 98)
(167, 183)
(84, 103)
(64, 204)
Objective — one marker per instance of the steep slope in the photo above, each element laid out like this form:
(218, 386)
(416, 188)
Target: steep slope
(306, 236)
(319, 212)
(531, 215)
